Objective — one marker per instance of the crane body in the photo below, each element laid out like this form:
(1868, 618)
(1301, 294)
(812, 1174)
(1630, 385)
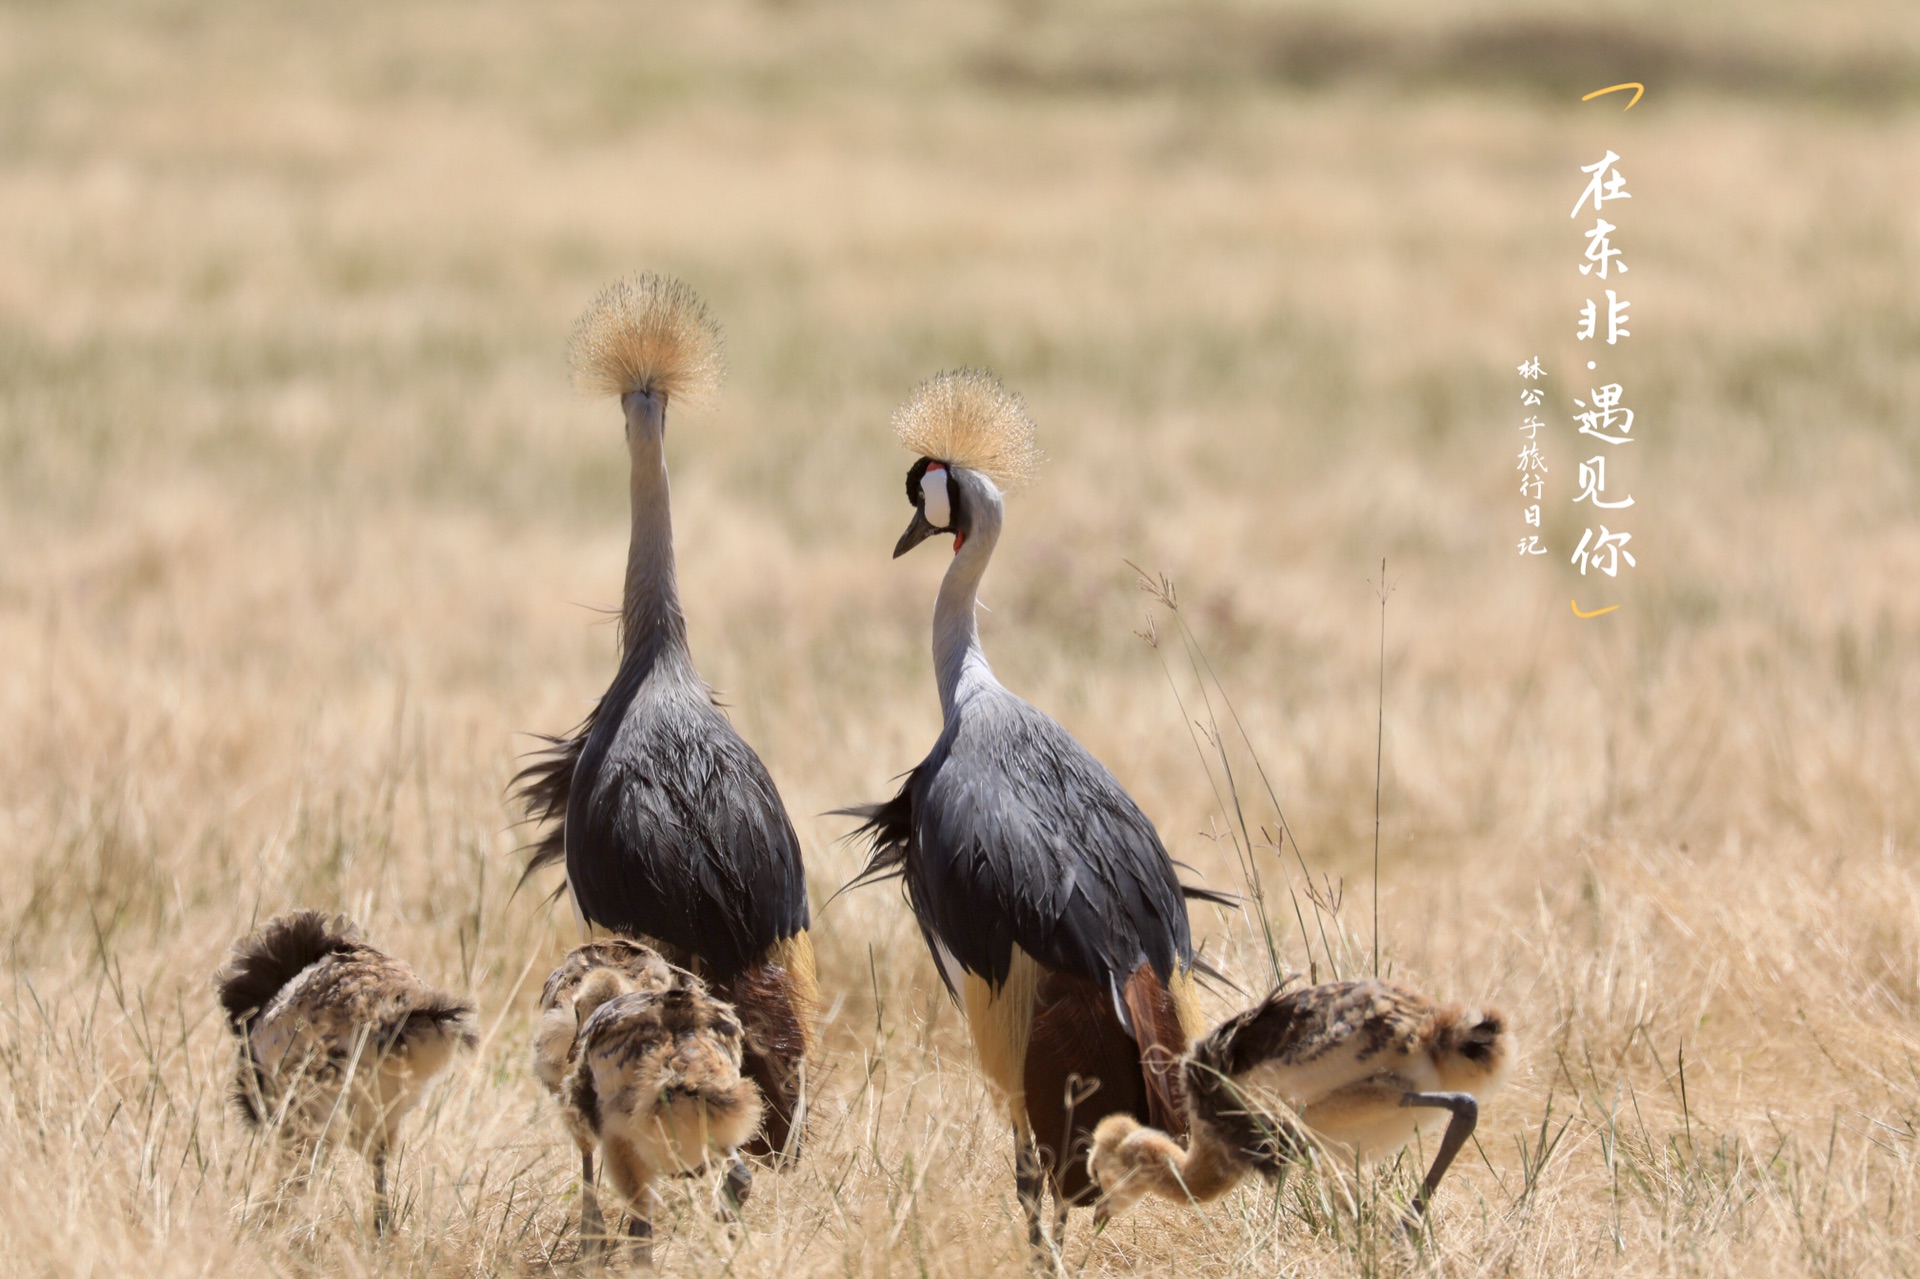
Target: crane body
(669, 825)
(1045, 895)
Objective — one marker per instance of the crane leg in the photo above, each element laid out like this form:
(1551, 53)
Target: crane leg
(1466, 1113)
(1029, 1179)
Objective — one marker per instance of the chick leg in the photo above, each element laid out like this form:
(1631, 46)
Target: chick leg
(640, 1230)
(593, 1227)
(734, 1188)
(1466, 1113)
(632, 1179)
(382, 1206)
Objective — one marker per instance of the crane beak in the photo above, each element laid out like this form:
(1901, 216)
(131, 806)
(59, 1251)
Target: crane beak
(917, 532)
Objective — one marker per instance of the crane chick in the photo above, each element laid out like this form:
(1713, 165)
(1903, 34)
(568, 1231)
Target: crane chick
(556, 1037)
(655, 1083)
(338, 1040)
(1364, 1066)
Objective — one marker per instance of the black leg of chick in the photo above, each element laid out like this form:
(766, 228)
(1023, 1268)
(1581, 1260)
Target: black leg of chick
(1466, 1113)
(593, 1226)
(734, 1188)
(640, 1230)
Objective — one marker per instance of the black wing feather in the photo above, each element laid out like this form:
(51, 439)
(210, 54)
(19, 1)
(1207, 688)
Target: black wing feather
(544, 788)
(1011, 833)
(673, 828)
(888, 829)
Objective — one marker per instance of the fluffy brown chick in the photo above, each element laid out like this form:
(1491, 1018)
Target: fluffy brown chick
(338, 1040)
(652, 1077)
(556, 1040)
(1360, 1066)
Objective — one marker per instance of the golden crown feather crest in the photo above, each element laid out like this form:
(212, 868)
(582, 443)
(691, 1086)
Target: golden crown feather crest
(967, 418)
(647, 332)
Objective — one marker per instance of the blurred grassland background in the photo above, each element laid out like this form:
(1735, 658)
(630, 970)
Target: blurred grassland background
(300, 525)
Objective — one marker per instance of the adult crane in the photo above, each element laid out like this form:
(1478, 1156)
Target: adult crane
(1049, 903)
(668, 824)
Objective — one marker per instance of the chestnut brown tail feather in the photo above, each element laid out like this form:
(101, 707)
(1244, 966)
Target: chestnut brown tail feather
(775, 1008)
(1162, 1043)
(1081, 1067)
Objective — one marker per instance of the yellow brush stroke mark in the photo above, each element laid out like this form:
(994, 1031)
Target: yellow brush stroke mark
(1635, 85)
(1596, 612)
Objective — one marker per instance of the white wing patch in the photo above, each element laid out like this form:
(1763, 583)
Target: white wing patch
(956, 975)
(933, 497)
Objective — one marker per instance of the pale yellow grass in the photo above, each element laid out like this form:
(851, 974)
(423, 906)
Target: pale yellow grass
(300, 523)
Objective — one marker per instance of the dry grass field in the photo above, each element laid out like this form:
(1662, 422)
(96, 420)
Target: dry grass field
(301, 527)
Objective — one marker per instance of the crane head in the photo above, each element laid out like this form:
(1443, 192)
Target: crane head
(975, 441)
(938, 505)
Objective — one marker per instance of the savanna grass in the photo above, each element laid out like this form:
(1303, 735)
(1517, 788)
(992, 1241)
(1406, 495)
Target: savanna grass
(299, 524)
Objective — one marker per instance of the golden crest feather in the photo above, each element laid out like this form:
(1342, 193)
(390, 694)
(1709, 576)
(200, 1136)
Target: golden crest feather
(967, 418)
(648, 332)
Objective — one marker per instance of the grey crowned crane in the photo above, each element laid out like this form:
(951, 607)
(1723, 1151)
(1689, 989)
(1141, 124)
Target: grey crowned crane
(668, 824)
(338, 1040)
(1050, 904)
(1360, 1066)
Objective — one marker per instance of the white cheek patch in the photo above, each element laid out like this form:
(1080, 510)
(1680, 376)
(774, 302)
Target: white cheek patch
(933, 497)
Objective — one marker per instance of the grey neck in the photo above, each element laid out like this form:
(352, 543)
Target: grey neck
(959, 664)
(650, 611)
